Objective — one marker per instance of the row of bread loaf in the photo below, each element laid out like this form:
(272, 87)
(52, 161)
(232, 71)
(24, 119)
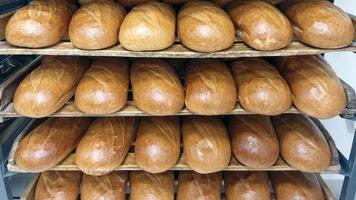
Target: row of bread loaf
(191, 186)
(201, 25)
(211, 87)
(101, 146)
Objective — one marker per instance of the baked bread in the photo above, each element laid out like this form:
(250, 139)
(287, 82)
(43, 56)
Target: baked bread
(46, 89)
(157, 146)
(302, 145)
(131, 3)
(111, 186)
(96, 25)
(49, 143)
(316, 89)
(149, 26)
(261, 89)
(204, 27)
(41, 23)
(210, 88)
(58, 185)
(105, 145)
(146, 186)
(192, 185)
(319, 23)
(296, 185)
(221, 3)
(261, 25)
(104, 87)
(156, 87)
(254, 142)
(246, 185)
(206, 144)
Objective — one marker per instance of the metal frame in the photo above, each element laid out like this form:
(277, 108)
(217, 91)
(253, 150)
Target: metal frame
(348, 191)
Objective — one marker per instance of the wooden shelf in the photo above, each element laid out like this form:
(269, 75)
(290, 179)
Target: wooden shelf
(70, 110)
(239, 49)
(29, 192)
(129, 164)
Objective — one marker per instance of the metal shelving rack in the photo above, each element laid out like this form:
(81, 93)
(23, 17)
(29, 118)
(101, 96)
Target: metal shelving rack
(10, 129)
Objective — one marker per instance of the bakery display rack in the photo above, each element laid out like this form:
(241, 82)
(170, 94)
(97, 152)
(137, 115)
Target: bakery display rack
(14, 126)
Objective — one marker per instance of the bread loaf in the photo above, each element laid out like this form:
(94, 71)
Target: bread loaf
(261, 25)
(41, 23)
(3, 23)
(296, 185)
(49, 143)
(104, 87)
(148, 27)
(157, 146)
(111, 186)
(192, 185)
(105, 145)
(261, 89)
(58, 185)
(146, 186)
(246, 186)
(316, 89)
(156, 87)
(302, 145)
(354, 24)
(206, 144)
(130, 3)
(203, 26)
(82, 2)
(319, 23)
(46, 89)
(96, 25)
(209, 87)
(253, 140)
(221, 3)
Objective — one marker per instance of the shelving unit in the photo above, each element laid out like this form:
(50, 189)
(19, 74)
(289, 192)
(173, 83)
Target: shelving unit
(12, 130)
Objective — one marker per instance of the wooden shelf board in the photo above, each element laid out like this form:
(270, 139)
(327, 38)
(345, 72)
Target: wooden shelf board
(70, 110)
(129, 164)
(239, 49)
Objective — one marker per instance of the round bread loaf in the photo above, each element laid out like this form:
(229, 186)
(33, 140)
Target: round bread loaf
(319, 23)
(261, 89)
(49, 143)
(302, 145)
(146, 186)
(156, 87)
(316, 89)
(192, 185)
(203, 26)
(111, 186)
(131, 3)
(47, 88)
(104, 87)
(157, 146)
(41, 23)
(253, 140)
(58, 185)
(210, 88)
(105, 145)
(148, 27)
(261, 25)
(296, 185)
(247, 186)
(206, 144)
(96, 25)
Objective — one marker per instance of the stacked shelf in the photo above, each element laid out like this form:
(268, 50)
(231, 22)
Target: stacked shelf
(239, 49)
